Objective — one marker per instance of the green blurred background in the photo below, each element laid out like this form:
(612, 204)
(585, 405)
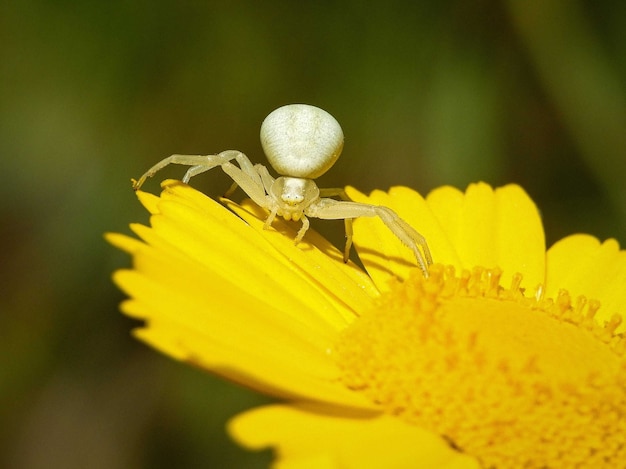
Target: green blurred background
(92, 93)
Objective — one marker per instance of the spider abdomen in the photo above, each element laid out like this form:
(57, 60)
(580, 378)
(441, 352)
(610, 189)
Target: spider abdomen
(301, 141)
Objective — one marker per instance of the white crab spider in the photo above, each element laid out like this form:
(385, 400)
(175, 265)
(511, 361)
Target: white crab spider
(301, 143)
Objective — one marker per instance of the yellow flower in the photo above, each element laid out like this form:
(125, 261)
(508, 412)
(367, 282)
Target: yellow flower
(507, 356)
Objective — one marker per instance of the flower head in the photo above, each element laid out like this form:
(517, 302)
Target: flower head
(506, 356)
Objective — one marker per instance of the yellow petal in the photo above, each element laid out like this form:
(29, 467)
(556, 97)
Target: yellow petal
(314, 257)
(584, 266)
(222, 329)
(195, 226)
(150, 201)
(270, 322)
(306, 436)
(266, 372)
(500, 228)
(123, 242)
(479, 227)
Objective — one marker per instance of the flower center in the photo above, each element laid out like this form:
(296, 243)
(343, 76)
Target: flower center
(511, 379)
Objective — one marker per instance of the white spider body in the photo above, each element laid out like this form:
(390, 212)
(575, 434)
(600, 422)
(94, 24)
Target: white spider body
(301, 143)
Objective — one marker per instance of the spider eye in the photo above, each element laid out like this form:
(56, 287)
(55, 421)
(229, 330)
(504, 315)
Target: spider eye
(292, 199)
(301, 141)
(292, 192)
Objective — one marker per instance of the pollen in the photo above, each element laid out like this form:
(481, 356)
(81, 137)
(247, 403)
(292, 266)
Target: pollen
(507, 376)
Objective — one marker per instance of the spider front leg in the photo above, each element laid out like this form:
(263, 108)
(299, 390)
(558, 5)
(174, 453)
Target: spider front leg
(198, 163)
(257, 182)
(247, 177)
(330, 209)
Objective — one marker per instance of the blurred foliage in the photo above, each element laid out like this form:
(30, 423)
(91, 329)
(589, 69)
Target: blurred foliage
(92, 93)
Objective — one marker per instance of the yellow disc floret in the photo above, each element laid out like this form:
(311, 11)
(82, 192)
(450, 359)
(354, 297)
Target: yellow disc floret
(513, 379)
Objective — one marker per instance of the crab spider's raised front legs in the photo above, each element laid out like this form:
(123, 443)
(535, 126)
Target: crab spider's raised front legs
(330, 209)
(199, 164)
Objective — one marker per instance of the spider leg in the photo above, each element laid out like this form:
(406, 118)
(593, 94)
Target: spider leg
(249, 181)
(255, 181)
(270, 219)
(248, 168)
(302, 230)
(198, 163)
(330, 209)
(266, 178)
(195, 170)
(267, 181)
(233, 187)
(341, 193)
(349, 232)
